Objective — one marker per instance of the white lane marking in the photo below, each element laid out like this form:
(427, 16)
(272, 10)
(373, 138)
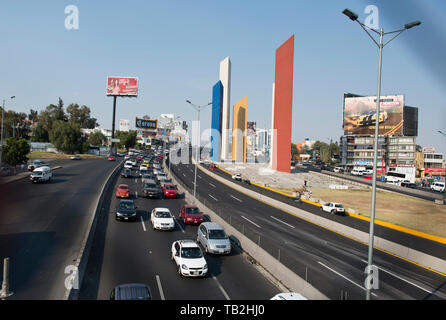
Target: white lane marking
(136, 181)
(199, 176)
(221, 288)
(212, 197)
(191, 170)
(345, 277)
(160, 288)
(251, 222)
(136, 194)
(401, 278)
(236, 198)
(179, 225)
(184, 175)
(212, 185)
(289, 225)
(142, 222)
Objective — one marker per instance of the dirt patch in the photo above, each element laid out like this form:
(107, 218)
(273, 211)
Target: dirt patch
(420, 215)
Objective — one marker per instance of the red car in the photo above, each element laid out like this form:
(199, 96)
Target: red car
(212, 167)
(170, 190)
(123, 191)
(139, 158)
(191, 214)
(111, 158)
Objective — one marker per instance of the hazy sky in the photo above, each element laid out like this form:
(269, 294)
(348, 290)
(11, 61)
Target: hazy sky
(175, 48)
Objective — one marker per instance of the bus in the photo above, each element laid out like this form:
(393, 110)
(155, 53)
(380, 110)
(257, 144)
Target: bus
(397, 176)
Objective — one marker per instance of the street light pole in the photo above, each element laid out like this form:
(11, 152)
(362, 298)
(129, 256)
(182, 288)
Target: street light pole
(198, 108)
(354, 17)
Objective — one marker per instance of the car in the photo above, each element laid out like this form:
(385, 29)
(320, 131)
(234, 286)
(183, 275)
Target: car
(128, 165)
(126, 210)
(138, 158)
(36, 164)
(127, 157)
(170, 191)
(131, 291)
(160, 176)
(237, 176)
(338, 169)
(111, 158)
(134, 162)
(408, 184)
(75, 157)
(438, 186)
(162, 219)
(213, 238)
(212, 167)
(289, 296)
(165, 181)
(367, 172)
(188, 258)
(190, 214)
(143, 171)
(356, 172)
(146, 177)
(150, 189)
(333, 207)
(41, 174)
(126, 173)
(123, 191)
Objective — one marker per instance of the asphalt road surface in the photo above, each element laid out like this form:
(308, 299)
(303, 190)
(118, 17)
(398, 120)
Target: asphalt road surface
(332, 263)
(129, 252)
(42, 226)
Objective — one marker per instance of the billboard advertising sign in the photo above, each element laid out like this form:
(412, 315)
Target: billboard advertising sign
(124, 125)
(360, 115)
(122, 86)
(145, 124)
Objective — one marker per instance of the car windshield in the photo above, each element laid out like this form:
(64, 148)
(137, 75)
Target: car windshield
(37, 173)
(171, 188)
(191, 253)
(163, 214)
(149, 185)
(127, 205)
(339, 206)
(192, 210)
(146, 176)
(123, 187)
(217, 234)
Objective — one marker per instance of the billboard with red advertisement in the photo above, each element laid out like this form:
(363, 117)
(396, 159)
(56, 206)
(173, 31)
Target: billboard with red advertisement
(122, 86)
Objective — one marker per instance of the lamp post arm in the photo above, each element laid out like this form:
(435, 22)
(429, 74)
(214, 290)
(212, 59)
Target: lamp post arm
(365, 29)
(399, 32)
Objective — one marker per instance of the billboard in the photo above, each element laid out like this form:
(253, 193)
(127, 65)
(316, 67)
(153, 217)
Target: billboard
(145, 124)
(360, 115)
(124, 125)
(122, 86)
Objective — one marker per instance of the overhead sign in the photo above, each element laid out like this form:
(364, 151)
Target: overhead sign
(122, 86)
(145, 124)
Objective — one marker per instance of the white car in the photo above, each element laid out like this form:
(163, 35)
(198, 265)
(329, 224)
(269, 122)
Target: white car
(189, 259)
(237, 176)
(162, 219)
(288, 296)
(357, 172)
(134, 162)
(438, 186)
(333, 207)
(128, 165)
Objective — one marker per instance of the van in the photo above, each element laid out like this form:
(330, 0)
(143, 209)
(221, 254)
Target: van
(438, 186)
(357, 172)
(41, 174)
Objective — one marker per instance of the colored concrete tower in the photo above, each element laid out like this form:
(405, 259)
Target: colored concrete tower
(216, 122)
(225, 78)
(239, 130)
(283, 106)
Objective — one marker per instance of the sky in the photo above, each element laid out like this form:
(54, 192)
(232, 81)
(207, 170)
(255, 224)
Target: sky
(175, 48)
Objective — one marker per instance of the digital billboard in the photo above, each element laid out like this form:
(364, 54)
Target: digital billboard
(122, 86)
(360, 115)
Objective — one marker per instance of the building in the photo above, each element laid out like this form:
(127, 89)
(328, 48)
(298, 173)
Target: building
(433, 162)
(398, 130)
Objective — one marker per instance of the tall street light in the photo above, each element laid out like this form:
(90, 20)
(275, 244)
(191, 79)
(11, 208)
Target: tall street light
(3, 110)
(198, 108)
(354, 17)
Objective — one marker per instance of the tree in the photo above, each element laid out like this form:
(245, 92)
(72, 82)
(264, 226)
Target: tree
(15, 152)
(66, 137)
(81, 116)
(40, 134)
(127, 139)
(96, 138)
(294, 151)
(51, 114)
(33, 115)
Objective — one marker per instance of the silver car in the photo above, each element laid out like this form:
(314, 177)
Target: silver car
(213, 238)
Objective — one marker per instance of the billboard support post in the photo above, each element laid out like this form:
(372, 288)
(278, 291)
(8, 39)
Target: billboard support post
(113, 123)
(354, 17)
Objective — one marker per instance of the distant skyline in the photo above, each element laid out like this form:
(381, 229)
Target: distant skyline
(175, 48)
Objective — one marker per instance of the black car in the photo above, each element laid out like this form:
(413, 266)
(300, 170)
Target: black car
(151, 189)
(131, 291)
(126, 173)
(126, 210)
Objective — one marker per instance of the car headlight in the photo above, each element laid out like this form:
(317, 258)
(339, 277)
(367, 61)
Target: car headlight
(205, 266)
(183, 266)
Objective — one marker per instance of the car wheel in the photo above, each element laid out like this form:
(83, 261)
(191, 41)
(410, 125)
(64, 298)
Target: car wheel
(206, 249)
(179, 271)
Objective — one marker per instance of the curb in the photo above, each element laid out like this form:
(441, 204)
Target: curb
(84, 253)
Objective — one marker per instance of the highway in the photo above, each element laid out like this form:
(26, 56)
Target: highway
(332, 263)
(42, 226)
(128, 252)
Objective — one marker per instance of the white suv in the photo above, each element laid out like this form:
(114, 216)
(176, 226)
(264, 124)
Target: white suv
(333, 207)
(189, 258)
(438, 186)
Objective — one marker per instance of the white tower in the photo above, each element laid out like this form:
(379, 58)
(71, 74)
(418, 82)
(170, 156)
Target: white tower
(225, 78)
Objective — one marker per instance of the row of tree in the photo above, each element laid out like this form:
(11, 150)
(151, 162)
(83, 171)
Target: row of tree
(320, 151)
